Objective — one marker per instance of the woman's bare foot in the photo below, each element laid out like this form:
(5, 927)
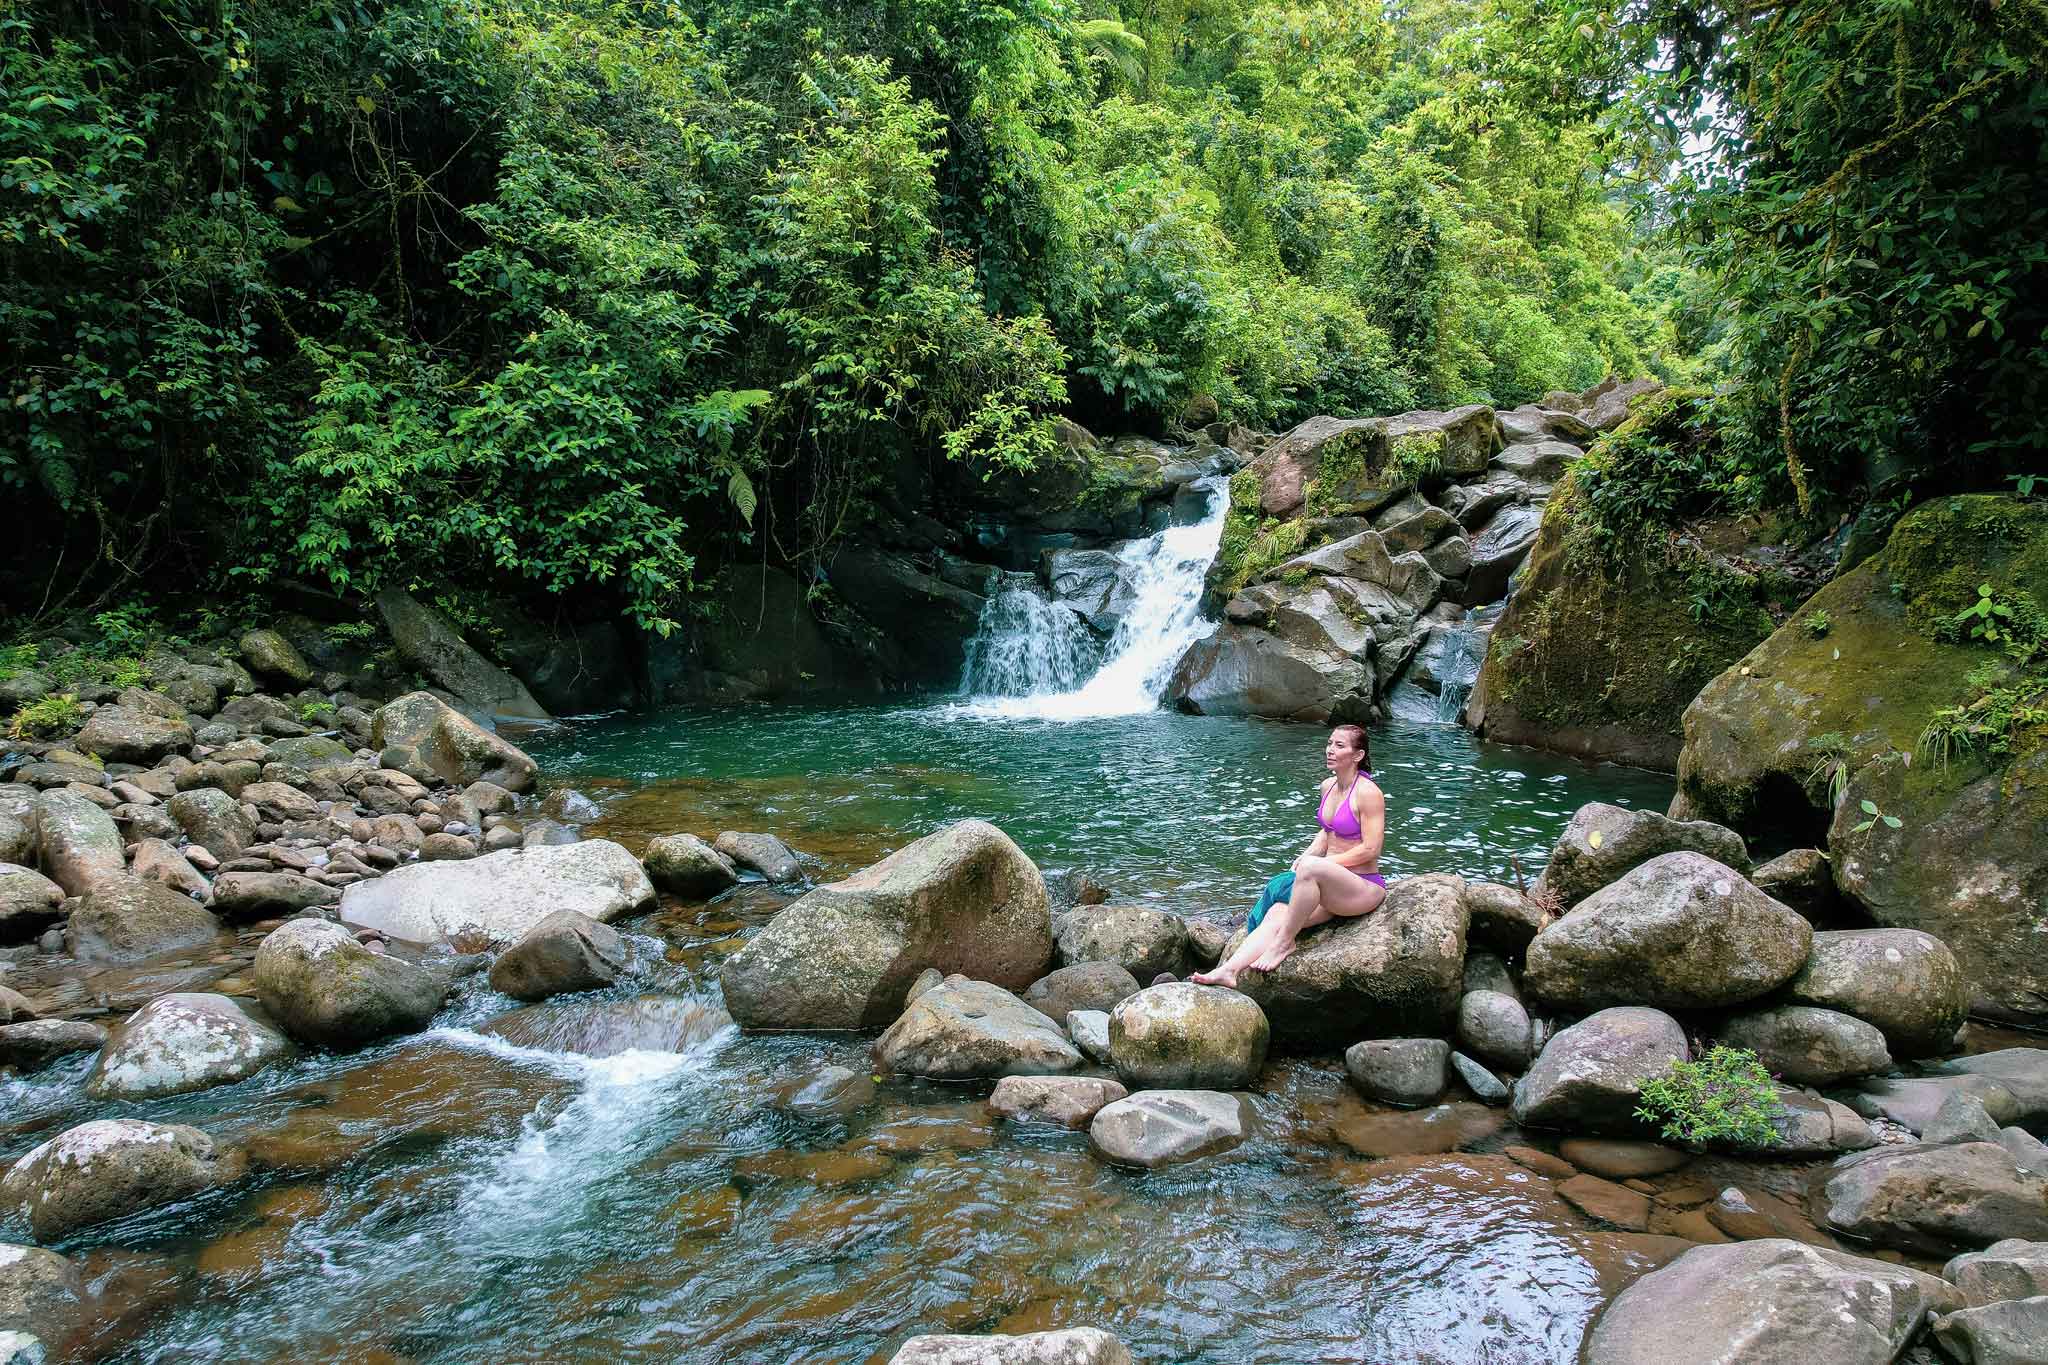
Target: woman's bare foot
(1275, 954)
(1222, 976)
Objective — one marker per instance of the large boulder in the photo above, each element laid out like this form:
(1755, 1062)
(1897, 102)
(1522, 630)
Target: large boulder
(121, 734)
(272, 656)
(687, 866)
(327, 989)
(1767, 1302)
(756, 640)
(425, 731)
(77, 844)
(1808, 1046)
(182, 1042)
(1905, 982)
(1181, 1036)
(1590, 1076)
(969, 1030)
(1397, 972)
(2012, 1269)
(1935, 1199)
(108, 1169)
(1246, 671)
(29, 904)
(1679, 932)
(1143, 941)
(1604, 843)
(2008, 1333)
(567, 951)
(1074, 1346)
(127, 919)
(923, 621)
(213, 820)
(501, 895)
(426, 639)
(962, 900)
(1165, 1127)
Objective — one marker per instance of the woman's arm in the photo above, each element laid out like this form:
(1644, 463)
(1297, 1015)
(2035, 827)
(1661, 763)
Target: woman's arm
(1371, 809)
(1320, 845)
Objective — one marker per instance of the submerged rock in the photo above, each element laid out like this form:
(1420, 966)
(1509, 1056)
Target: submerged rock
(965, 899)
(1181, 1036)
(762, 853)
(108, 1169)
(1767, 1302)
(965, 1030)
(1164, 1127)
(182, 1042)
(1681, 931)
(687, 866)
(1069, 1101)
(647, 1023)
(326, 988)
(501, 895)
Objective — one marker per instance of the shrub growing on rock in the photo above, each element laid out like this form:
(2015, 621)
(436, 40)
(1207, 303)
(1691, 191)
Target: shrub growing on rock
(1724, 1098)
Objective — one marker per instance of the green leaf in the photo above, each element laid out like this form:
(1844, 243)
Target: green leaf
(741, 491)
(1869, 807)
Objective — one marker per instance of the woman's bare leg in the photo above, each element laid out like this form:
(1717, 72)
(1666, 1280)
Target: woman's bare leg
(1324, 892)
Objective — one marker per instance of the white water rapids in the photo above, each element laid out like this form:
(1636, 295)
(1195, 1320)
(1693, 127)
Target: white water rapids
(1024, 662)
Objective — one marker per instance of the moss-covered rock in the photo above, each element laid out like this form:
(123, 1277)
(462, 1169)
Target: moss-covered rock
(1601, 662)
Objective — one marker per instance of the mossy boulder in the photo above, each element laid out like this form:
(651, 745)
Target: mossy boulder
(1600, 662)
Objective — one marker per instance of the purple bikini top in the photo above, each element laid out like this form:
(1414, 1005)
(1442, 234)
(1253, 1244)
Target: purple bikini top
(1344, 813)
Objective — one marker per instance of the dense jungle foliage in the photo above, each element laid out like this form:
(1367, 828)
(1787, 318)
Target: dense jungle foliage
(589, 295)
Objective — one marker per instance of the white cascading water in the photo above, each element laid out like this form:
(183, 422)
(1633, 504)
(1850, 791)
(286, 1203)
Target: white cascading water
(1164, 619)
(1027, 644)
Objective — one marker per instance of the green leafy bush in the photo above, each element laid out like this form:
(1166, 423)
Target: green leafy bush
(52, 715)
(1725, 1098)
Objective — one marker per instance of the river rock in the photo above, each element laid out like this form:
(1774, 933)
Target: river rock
(1806, 1045)
(183, 1042)
(157, 860)
(422, 729)
(1397, 972)
(259, 895)
(1069, 1101)
(1403, 1071)
(501, 895)
(29, 903)
(426, 638)
(1486, 1087)
(108, 1169)
(2011, 1333)
(1802, 879)
(1681, 931)
(77, 845)
(15, 1007)
(1157, 1128)
(964, 899)
(1935, 1199)
(213, 820)
(762, 853)
(1090, 1031)
(1913, 1101)
(686, 866)
(1767, 1302)
(2023, 1071)
(967, 1030)
(1590, 1076)
(33, 1044)
(567, 951)
(127, 919)
(270, 655)
(1144, 942)
(1905, 982)
(1504, 920)
(40, 1292)
(1961, 1117)
(1083, 986)
(2012, 1269)
(327, 989)
(831, 1092)
(1496, 1027)
(1248, 671)
(17, 840)
(1604, 843)
(1074, 1346)
(1181, 1036)
(120, 734)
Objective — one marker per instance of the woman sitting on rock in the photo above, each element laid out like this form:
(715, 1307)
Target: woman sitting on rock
(1338, 875)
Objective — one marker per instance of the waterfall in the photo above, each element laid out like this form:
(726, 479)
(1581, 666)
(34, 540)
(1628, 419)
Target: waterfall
(1434, 689)
(1027, 644)
(1164, 619)
(1464, 650)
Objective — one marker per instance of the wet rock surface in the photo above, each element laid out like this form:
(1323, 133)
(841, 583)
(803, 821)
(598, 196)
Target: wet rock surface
(1181, 1036)
(966, 1029)
(1157, 1128)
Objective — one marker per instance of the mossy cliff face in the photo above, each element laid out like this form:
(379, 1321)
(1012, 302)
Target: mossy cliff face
(1600, 662)
(1968, 859)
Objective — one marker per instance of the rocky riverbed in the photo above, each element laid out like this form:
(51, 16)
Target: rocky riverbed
(262, 998)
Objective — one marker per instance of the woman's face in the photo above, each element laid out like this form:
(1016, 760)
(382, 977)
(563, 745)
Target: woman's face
(1339, 750)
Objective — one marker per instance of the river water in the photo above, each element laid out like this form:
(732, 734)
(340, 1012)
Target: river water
(487, 1192)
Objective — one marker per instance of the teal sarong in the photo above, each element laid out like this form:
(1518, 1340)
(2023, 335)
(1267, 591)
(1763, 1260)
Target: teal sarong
(1276, 893)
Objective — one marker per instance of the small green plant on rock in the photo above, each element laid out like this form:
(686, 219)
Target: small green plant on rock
(1725, 1098)
(52, 715)
(1830, 765)
(1877, 816)
(1819, 624)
